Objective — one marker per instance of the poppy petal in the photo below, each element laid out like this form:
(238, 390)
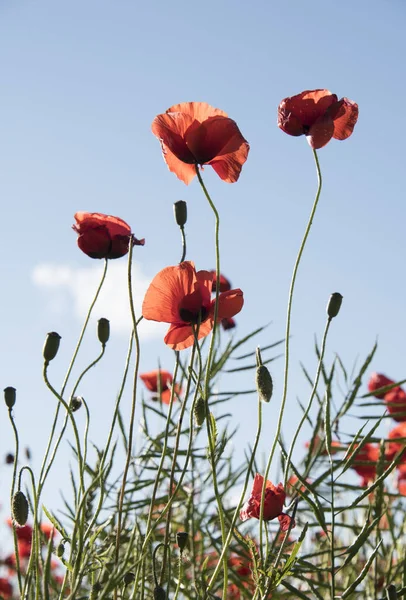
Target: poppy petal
(298, 113)
(115, 225)
(344, 118)
(285, 521)
(170, 129)
(167, 290)
(216, 137)
(321, 132)
(205, 279)
(200, 111)
(179, 337)
(183, 171)
(230, 303)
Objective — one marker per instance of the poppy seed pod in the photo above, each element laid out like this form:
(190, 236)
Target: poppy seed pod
(103, 331)
(51, 346)
(159, 593)
(75, 403)
(10, 396)
(334, 304)
(60, 550)
(200, 412)
(180, 212)
(264, 383)
(181, 539)
(129, 577)
(19, 509)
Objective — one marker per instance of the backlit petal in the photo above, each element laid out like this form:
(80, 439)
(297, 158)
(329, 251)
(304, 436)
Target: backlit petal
(303, 109)
(183, 171)
(216, 137)
(321, 132)
(179, 337)
(230, 303)
(197, 110)
(344, 118)
(170, 129)
(115, 225)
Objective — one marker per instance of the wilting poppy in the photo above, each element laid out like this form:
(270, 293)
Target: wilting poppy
(395, 446)
(195, 133)
(319, 115)
(378, 381)
(395, 401)
(228, 324)
(182, 297)
(151, 381)
(366, 459)
(103, 236)
(224, 286)
(273, 503)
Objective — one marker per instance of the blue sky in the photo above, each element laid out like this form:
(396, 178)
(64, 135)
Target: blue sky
(80, 85)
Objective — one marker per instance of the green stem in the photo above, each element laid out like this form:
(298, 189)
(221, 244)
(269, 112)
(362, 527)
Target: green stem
(287, 347)
(16, 453)
(182, 231)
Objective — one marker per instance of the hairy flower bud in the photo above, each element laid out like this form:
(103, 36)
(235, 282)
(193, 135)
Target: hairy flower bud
(334, 304)
(129, 577)
(159, 593)
(51, 346)
(181, 539)
(264, 383)
(60, 550)
(200, 411)
(10, 396)
(19, 509)
(180, 212)
(103, 331)
(76, 403)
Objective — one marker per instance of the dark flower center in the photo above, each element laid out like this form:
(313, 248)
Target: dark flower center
(191, 317)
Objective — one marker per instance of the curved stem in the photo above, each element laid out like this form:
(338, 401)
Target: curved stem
(13, 483)
(182, 231)
(287, 346)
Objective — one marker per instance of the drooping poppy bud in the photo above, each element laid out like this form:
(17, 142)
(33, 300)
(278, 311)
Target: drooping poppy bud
(180, 212)
(10, 396)
(9, 458)
(51, 346)
(264, 383)
(60, 550)
(159, 593)
(19, 509)
(103, 331)
(200, 411)
(75, 403)
(181, 539)
(334, 305)
(129, 577)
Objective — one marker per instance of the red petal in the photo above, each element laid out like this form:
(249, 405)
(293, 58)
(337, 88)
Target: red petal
(284, 521)
(200, 111)
(345, 117)
(180, 337)
(167, 290)
(150, 379)
(230, 303)
(170, 129)
(216, 137)
(298, 113)
(321, 132)
(96, 243)
(115, 225)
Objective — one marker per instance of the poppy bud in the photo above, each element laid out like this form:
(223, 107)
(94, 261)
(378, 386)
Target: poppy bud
(264, 383)
(19, 509)
(181, 539)
(95, 589)
(129, 577)
(334, 304)
(75, 403)
(60, 550)
(9, 458)
(200, 411)
(159, 593)
(103, 331)
(51, 346)
(180, 212)
(10, 396)
(28, 453)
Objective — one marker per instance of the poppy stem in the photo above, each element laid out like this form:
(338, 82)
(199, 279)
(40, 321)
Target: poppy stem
(287, 347)
(17, 447)
(207, 379)
(182, 231)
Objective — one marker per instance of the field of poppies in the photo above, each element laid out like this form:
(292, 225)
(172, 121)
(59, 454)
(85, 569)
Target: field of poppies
(180, 519)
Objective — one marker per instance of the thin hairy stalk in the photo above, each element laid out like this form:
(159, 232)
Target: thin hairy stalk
(35, 548)
(43, 476)
(310, 403)
(180, 575)
(242, 496)
(182, 231)
(207, 378)
(13, 483)
(287, 348)
(133, 407)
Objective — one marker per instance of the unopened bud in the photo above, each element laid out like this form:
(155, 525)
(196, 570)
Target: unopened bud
(103, 331)
(180, 212)
(76, 403)
(9, 458)
(334, 304)
(10, 396)
(159, 593)
(181, 539)
(200, 411)
(51, 346)
(60, 550)
(264, 383)
(129, 577)
(19, 509)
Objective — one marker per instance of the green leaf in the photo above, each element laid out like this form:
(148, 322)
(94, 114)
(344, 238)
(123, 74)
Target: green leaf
(58, 526)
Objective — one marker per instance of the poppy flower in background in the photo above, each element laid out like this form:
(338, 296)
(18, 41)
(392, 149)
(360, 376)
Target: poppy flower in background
(23, 533)
(320, 444)
(365, 463)
(151, 380)
(182, 297)
(395, 401)
(393, 447)
(6, 589)
(225, 284)
(378, 381)
(195, 133)
(273, 503)
(401, 469)
(228, 324)
(103, 236)
(319, 115)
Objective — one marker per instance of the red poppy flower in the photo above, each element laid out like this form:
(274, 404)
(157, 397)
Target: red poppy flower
(151, 380)
(228, 324)
(6, 589)
(378, 381)
(365, 463)
(393, 447)
(23, 533)
(319, 115)
(182, 297)
(273, 503)
(195, 133)
(103, 236)
(224, 286)
(395, 401)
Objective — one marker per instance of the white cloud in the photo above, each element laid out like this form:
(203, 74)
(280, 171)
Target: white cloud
(71, 290)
